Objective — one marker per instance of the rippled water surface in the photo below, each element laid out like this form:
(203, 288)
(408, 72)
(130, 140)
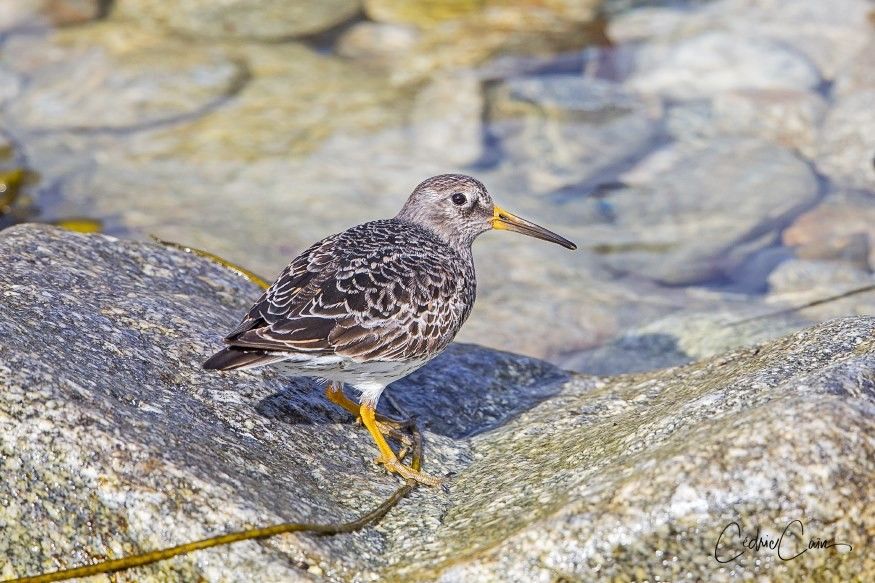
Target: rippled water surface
(713, 160)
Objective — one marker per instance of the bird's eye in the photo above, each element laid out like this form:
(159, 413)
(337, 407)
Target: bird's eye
(459, 199)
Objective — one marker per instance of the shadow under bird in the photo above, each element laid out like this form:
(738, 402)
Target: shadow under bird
(372, 304)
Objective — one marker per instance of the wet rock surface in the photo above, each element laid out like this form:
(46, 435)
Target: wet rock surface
(114, 441)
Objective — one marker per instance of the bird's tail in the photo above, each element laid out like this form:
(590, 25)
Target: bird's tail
(233, 358)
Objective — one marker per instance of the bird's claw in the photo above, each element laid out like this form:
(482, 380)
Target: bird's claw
(396, 467)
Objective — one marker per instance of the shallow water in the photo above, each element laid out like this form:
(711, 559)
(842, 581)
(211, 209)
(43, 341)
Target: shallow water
(690, 149)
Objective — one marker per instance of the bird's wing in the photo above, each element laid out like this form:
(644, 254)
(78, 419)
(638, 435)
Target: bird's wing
(297, 283)
(363, 296)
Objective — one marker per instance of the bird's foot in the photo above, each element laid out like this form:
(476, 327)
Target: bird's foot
(393, 465)
(380, 427)
(395, 433)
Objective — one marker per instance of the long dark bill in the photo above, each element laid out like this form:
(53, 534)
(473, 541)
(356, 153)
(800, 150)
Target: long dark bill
(503, 220)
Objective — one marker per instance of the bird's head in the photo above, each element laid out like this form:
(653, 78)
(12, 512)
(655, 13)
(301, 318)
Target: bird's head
(459, 208)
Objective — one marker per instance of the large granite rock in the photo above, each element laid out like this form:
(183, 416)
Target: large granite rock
(113, 441)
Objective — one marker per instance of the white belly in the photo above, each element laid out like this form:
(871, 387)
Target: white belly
(364, 376)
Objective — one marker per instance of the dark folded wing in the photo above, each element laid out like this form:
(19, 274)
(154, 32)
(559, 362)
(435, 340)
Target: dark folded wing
(361, 295)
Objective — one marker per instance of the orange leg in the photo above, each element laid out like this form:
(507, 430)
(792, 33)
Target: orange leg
(335, 394)
(387, 425)
(387, 456)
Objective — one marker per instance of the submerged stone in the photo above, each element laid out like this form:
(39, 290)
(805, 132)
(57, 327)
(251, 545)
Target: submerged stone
(264, 20)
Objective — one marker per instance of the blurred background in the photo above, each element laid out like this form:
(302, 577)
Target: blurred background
(713, 160)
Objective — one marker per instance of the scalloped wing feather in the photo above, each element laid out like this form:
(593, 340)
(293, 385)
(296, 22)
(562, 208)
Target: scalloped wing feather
(364, 296)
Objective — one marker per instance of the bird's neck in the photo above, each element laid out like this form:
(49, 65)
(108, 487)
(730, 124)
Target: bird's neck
(456, 241)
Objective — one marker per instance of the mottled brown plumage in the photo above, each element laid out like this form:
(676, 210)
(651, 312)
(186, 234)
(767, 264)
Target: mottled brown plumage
(374, 303)
(385, 290)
